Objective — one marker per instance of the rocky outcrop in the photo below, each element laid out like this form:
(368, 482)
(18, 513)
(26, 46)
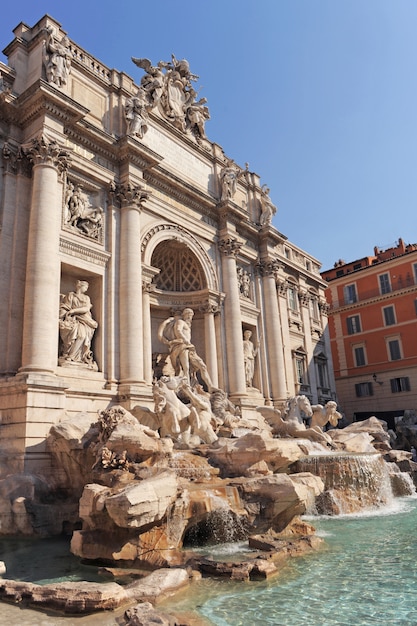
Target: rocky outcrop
(241, 457)
(362, 437)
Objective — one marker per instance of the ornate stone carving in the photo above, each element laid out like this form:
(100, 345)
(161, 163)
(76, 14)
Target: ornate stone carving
(324, 307)
(228, 180)
(80, 215)
(15, 162)
(56, 58)
(304, 297)
(268, 210)
(209, 307)
(230, 246)
(42, 150)
(129, 195)
(76, 328)
(168, 86)
(269, 267)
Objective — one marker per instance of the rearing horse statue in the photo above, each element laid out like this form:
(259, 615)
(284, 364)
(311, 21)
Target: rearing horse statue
(292, 424)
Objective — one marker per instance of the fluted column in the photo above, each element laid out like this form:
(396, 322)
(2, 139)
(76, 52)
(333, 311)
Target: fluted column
(210, 342)
(130, 305)
(147, 333)
(304, 299)
(41, 310)
(233, 323)
(273, 333)
(147, 288)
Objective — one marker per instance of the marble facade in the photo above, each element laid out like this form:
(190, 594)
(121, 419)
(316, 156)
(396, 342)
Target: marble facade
(111, 182)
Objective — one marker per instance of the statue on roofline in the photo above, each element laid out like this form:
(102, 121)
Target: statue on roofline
(167, 87)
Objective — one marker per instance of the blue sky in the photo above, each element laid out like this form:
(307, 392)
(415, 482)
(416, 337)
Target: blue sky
(318, 96)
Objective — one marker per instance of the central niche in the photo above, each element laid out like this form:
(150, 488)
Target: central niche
(180, 269)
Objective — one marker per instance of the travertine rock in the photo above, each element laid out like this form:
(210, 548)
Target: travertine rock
(143, 503)
(236, 456)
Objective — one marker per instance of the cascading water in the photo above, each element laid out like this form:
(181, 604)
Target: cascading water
(353, 482)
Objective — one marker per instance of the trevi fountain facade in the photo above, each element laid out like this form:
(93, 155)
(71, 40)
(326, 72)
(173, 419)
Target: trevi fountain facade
(166, 375)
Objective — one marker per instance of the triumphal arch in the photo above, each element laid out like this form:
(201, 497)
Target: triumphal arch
(119, 217)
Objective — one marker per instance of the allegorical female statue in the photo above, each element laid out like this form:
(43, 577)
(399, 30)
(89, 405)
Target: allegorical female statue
(76, 328)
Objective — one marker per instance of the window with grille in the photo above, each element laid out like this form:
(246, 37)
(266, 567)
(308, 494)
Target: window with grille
(180, 269)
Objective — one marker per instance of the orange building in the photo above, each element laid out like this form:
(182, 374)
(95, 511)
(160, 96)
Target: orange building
(373, 330)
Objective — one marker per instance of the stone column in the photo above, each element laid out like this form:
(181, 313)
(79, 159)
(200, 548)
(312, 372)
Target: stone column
(210, 341)
(273, 341)
(147, 288)
(41, 310)
(304, 299)
(130, 292)
(233, 323)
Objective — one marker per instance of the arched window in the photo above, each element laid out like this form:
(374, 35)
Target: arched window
(180, 269)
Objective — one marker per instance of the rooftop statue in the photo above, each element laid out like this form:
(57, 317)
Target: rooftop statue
(168, 86)
(228, 179)
(136, 114)
(57, 59)
(268, 209)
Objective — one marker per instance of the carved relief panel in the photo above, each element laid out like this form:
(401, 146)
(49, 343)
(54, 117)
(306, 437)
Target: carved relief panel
(82, 211)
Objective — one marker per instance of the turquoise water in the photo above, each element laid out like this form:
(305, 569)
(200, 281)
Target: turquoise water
(366, 575)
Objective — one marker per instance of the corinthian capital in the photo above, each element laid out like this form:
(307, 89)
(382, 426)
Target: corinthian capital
(130, 195)
(269, 268)
(230, 246)
(45, 151)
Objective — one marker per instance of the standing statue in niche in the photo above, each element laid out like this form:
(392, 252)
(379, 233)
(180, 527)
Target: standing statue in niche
(246, 283)
(229, 177)
(268, 209)
(249, 355)
(175, 332)
(76, 327)
(57, 59)
(136, 115)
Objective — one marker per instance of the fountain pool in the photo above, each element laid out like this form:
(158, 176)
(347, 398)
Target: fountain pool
(366, 575)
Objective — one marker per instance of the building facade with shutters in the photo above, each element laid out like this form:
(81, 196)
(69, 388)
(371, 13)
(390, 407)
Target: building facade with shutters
(373, 329)
(117, 212)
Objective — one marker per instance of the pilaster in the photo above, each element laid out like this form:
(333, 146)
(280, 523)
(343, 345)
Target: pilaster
(230, 246)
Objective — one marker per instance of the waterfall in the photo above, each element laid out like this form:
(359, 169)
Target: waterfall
(353, 482)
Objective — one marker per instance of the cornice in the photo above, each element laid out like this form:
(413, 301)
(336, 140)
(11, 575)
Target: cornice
(83, 251)
(42, 97)
(392, 295)
(177, 188)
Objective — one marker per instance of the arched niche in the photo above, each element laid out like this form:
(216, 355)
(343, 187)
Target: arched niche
(176, 238)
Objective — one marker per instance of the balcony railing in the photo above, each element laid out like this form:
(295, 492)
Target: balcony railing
(396, 285)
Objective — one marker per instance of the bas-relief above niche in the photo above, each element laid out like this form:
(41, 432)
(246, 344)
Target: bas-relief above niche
(82, 213)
